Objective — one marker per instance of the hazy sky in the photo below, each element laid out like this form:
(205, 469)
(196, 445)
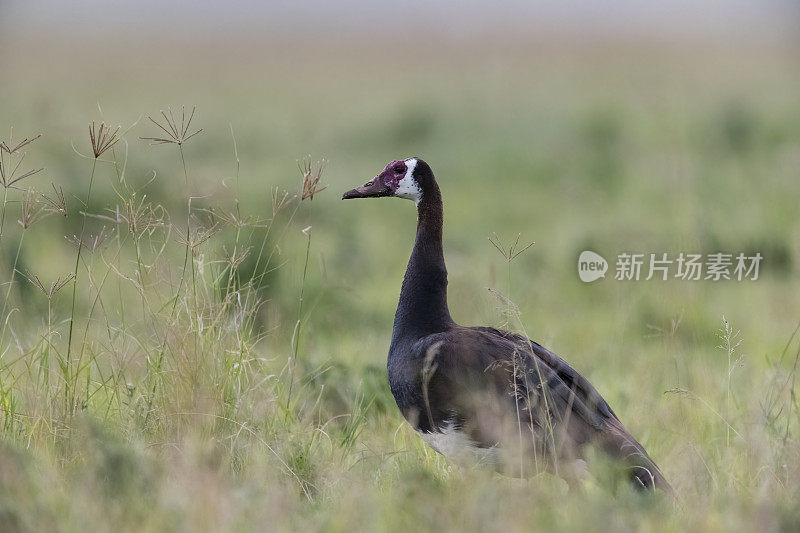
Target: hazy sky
(393, 18)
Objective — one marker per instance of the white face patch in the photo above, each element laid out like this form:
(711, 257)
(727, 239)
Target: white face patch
(408, 187)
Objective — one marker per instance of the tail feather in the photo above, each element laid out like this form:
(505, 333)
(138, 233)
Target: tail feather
(644, 473)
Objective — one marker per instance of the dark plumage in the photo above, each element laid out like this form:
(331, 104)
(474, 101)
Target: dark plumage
(483, 393)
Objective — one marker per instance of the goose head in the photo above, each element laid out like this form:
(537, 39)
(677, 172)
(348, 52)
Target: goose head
(398, 179)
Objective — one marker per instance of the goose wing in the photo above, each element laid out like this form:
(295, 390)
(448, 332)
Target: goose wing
(470, 369)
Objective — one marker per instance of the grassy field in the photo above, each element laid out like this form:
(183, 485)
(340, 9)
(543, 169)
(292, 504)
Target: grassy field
(231, 376)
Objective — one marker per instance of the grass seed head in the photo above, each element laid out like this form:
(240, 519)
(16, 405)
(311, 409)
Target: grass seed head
(54, 287)
(237, 257)
(56, 204)
(311, 177)
(234, 220)
(202, 231)
(91, 243)
(513, 251)
(31, 210)
(102, 138)
(10, 148)
(176, 131)
(10, 172)
(280, 199)
(142, 216)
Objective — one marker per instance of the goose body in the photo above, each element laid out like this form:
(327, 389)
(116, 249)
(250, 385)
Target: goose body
(481, 395)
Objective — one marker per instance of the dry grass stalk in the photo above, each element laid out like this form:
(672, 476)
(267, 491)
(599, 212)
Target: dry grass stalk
(176, 133)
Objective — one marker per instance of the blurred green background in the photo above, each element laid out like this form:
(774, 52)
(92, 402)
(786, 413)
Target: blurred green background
(637, 128)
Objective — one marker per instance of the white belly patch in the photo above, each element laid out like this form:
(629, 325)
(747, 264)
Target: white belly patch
(458, 447)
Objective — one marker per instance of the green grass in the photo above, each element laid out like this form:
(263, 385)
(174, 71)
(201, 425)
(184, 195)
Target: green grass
(235, 379)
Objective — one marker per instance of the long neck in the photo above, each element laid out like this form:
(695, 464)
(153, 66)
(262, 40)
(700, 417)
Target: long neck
(423, 299)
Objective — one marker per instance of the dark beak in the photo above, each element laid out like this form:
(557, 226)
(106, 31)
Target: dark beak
(372, 189)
